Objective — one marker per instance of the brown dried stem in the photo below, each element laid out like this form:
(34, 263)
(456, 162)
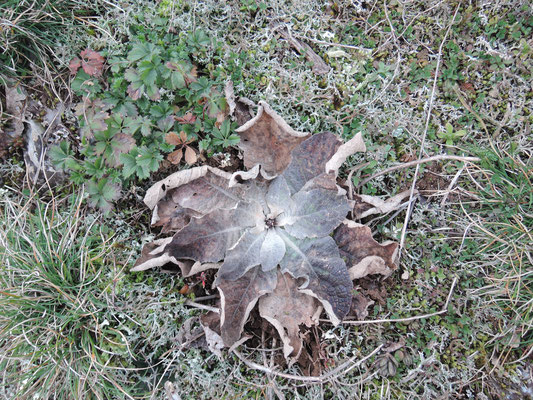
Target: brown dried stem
(340, 370)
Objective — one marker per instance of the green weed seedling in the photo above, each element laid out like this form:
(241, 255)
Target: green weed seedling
(449, 135)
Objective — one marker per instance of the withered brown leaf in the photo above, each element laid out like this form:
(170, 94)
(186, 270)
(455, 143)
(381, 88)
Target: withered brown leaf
(175, 156)
(268, 140)
(92, 62)
(364, 255)
(287, 308)
(238, 298)
(190, 156)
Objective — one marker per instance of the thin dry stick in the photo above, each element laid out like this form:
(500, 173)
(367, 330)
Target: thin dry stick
(430, 107)
(380, 321)
(201, 306)
(451, 185)
(417, 162)
(340, 370)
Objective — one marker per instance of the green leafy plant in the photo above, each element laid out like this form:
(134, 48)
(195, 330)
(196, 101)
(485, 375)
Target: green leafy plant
(154, 89)
(450, 135)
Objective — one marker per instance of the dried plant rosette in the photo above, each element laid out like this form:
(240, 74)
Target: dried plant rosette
(277, 233)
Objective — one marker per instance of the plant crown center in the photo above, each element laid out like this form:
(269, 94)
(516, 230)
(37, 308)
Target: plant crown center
(270, 222)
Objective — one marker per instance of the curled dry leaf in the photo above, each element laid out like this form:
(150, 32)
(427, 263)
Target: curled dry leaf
(229, 94)
(354, 145)
(15, 107)
(181, 141)
(287, 308)
(214, 341)
(175, 156)
(281, 240)
(363, 254)
(239, 297)
(188, 118)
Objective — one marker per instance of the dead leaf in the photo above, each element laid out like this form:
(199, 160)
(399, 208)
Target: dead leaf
(214, 341)
(170, 215)
(173, 138)
(188, 118)
(238, 298)
(204, 239)
(74, 65)
(158, 190)
(354, 145)
(221, 117)
(230, 97)
(360, 306)
(92, 62)
(243, 110)
(287, 308)
(15, 106)
(135, 94)
(364, 255)
(175, 156)
(190, 156)
(319, 65)
(393, 346)
(386, 365)
(268, 140)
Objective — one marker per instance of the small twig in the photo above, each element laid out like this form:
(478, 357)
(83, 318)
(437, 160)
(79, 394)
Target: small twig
(346, 46)
(319, 66)
(426, 127)
(205, 298)
(451, 185)
(417, 162)
(414, 318)
(340, 370)
(202, 306)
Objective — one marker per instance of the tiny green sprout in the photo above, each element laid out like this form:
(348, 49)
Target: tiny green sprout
(449, 135)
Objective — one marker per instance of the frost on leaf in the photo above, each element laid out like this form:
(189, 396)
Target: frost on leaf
(324, 273)
(287, 308)
(279, 236)
(310, 158)
(315, 213)
(268, 140)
